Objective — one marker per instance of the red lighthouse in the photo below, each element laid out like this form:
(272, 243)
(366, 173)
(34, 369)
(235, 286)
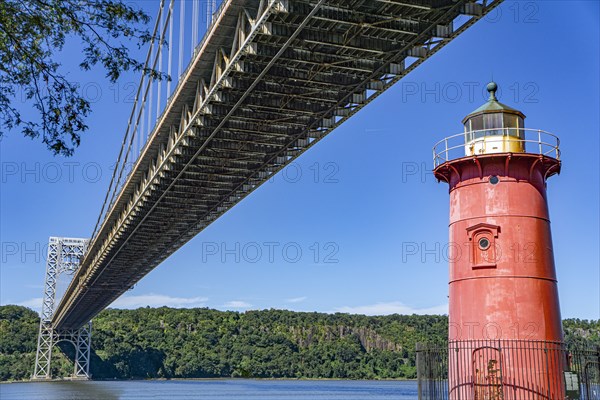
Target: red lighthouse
(505, 337)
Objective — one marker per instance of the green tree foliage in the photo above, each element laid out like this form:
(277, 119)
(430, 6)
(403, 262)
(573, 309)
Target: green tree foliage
(203, 343)
(32, 35)
(18, 331)
(18, 340)
(581, 332)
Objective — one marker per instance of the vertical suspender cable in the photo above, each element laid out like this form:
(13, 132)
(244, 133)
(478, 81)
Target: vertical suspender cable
(207, 14)
(181, 30)
(193, 17)
(213, 10)
(170, 55)
(144, 98)
(149, 108)
(129, 133)
(141, 128)
(160, 57)
(142, 123)
(194, 25)
(198, 22)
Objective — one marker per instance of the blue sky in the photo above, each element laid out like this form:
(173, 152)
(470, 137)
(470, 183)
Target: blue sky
(331, 232)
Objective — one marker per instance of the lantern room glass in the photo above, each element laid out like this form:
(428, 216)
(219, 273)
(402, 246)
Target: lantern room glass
(494, 124)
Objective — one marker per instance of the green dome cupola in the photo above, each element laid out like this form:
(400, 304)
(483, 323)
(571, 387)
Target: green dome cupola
(494, 127)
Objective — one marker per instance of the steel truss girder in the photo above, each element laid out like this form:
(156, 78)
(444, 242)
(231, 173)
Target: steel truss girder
(64, 255)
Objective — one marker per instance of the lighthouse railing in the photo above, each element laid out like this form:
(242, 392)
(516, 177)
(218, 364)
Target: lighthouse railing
(508, 140)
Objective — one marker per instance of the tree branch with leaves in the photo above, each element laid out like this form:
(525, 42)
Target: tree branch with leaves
(33, 33)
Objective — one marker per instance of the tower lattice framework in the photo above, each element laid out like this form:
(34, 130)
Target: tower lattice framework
(64, 256)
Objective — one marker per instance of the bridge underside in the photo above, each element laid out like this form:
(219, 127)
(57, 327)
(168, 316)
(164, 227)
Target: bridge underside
(270, 79)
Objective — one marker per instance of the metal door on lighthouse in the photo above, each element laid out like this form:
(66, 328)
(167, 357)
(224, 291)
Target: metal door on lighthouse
(487, 374)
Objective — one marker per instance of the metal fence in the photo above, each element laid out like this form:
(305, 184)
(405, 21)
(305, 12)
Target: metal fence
(584, 371)
(432, 371)
(507, 370)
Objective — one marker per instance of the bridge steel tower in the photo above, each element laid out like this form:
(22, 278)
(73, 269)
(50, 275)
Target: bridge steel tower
(505, 335)
(64, 256)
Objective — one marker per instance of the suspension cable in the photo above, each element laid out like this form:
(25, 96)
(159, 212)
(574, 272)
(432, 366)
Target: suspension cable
(131, 133)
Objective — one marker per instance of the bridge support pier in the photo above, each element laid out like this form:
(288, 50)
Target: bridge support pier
(48, 337)
(64, 255)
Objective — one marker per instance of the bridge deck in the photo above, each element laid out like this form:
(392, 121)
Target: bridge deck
(270, 79)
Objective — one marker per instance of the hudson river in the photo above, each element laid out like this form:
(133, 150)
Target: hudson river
(212, 390)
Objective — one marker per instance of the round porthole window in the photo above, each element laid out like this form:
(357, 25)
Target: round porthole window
(494, 179)
(484, 243)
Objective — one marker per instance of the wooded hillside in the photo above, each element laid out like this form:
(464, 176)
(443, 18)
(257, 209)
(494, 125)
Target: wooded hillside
(202, 343)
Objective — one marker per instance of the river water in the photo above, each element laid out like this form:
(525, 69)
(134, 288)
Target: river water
(227, 389)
